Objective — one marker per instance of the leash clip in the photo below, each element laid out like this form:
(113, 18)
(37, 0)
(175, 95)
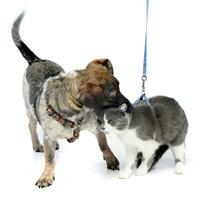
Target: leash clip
(144, 79)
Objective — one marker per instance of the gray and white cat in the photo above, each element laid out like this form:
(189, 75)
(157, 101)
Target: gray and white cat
(144, 129)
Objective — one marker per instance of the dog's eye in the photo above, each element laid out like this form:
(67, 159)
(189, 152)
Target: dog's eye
(113, 93)
(110, 121)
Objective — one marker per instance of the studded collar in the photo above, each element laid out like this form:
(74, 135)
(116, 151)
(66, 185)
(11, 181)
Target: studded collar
(65, 122)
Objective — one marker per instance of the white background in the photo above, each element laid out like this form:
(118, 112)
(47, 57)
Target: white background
(72, 33)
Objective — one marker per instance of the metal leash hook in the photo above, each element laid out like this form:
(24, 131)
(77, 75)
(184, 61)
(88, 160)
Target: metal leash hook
(144, 76)
(144, 79)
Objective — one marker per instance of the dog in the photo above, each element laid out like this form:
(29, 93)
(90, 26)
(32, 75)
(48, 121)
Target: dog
(66, 103)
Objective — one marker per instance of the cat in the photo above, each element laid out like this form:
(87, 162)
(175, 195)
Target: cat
(147, 127)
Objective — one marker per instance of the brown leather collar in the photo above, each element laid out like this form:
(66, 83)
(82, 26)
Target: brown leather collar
(65, 122)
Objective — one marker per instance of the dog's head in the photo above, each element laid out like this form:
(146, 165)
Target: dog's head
(100, 88)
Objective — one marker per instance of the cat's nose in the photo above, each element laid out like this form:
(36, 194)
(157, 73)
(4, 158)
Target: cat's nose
(101, 124)
(102, 128)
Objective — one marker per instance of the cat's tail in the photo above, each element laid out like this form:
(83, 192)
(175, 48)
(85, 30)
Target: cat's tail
(159, 153)
(25, 51)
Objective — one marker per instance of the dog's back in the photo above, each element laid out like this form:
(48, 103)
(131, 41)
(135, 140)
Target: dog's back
(38, 70)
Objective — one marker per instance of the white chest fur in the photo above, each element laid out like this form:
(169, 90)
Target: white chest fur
(129, 137)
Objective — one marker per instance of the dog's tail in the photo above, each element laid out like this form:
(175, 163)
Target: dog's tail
(25, 51)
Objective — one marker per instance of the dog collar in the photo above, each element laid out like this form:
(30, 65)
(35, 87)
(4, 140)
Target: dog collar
(65, 122)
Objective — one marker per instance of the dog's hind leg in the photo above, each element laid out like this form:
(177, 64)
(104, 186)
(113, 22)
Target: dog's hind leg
(34, 136)
(47, 177)
(37, 147)
(111, 160)
(31, 116)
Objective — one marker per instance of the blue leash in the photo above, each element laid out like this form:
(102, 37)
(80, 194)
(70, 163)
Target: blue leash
(143, 96)
(145, 45)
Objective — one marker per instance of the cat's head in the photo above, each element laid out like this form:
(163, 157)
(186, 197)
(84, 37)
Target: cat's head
(116, 118)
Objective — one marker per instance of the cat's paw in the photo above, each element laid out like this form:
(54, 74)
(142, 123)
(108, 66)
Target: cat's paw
(180, 168)
(141, 172)
(124, 174)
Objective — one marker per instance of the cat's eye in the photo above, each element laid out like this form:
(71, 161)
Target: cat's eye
(123, 114)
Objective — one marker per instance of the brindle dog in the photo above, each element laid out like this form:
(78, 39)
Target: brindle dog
(65, 104)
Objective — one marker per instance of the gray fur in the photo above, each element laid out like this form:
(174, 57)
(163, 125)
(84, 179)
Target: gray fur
(15, 29)
(172, 120)
(38, 70)
(169, 126)
(148, 127)
(23, 48)
(37, 73)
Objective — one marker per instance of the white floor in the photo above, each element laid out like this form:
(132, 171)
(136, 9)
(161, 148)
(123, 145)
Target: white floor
(81, 173)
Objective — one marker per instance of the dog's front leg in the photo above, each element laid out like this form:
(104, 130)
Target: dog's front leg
(111, 160)
(47, 177)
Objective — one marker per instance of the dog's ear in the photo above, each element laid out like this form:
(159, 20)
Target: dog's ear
(103, 63)
(91, 97)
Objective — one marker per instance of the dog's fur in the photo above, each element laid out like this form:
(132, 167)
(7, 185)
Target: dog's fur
(73, 95)
(80, 95)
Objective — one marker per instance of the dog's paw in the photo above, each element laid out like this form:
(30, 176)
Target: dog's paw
(141, 172)
(112, 163)
(125, 174)
(38, 148)
(45, 181)
(180, 168)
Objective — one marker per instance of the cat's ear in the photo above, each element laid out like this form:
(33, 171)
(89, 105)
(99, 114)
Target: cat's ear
(123, 107)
